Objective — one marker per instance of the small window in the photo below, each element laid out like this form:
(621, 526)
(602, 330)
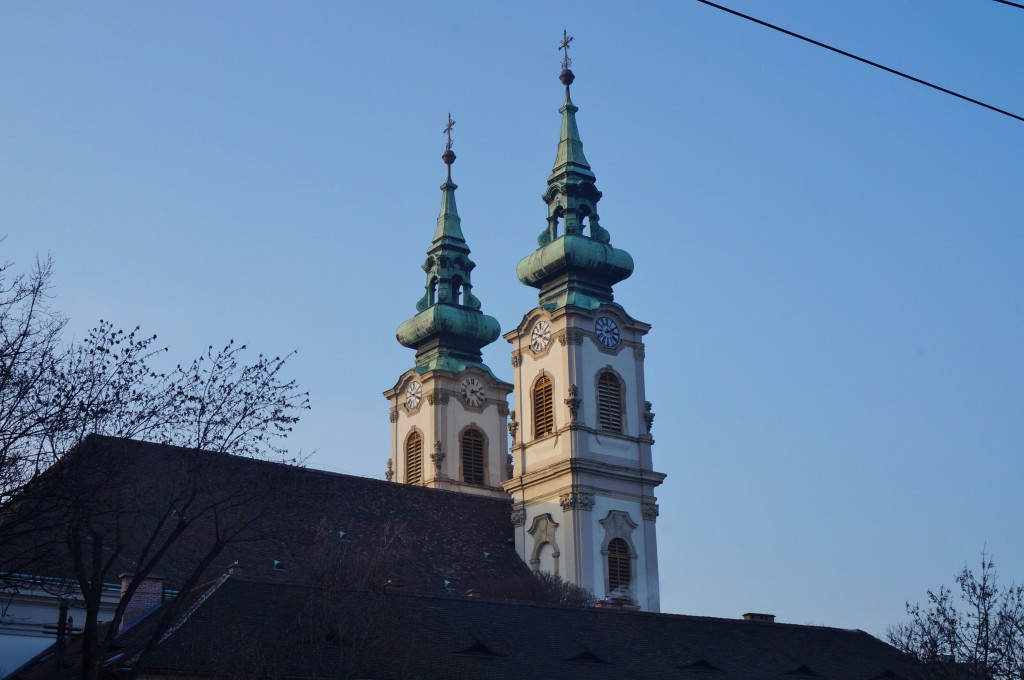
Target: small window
(414, 459)
(473, 457)
(543, 407)
(609, 403)
(585, 222)
(618, 566)
(457, 290)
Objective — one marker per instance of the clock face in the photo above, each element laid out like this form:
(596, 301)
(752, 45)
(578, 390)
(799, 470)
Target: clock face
(413, 395)
(541, 336)
(473, 392)
(607, 332)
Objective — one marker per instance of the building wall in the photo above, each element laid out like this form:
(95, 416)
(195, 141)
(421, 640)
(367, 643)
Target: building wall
(28, 621)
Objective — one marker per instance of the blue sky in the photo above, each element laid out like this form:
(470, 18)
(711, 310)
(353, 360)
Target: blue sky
(830, 256)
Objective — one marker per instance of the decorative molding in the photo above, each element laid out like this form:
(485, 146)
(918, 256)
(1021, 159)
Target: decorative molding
(648, 417)
(513, 427)
(573, 402)
(618, 524)
(543, 530)
(639, 351)
(577, 500)
(390, 472)
(517, 359)
(570, 337)
(437, 397)
(649, 510)
(393, 414)
(518, 517)
(438, 457)
(503, 409)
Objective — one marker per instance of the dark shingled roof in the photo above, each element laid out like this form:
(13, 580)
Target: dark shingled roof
(417, 537)
(270, 630)
(325, 611)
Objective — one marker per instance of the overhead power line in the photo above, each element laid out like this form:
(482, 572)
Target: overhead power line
(868, 61)
(1011, 4)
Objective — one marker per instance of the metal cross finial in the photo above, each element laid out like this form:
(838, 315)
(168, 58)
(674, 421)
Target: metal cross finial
(564, 46)
(448, 131)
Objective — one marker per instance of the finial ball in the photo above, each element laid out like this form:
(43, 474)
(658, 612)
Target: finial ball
(448, 157)
(566, 76)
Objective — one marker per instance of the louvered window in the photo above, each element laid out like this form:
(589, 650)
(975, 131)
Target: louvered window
(414, 459)
(609, 403)
(618, 566)
(543, 407)
(473, 457)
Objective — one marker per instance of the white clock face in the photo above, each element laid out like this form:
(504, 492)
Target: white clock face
(413, 395)
(607, 332)
(541, 336)
(473, 392)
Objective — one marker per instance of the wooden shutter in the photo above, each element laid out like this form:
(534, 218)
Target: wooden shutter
(414, 459)
(543, 407)
(609, 403)
(618, 565)
(473, 457)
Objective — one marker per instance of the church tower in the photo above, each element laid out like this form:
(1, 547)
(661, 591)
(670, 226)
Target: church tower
(449, 412)
(583, 480)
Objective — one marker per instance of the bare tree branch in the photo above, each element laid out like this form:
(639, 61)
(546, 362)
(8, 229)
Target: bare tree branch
(982, 640)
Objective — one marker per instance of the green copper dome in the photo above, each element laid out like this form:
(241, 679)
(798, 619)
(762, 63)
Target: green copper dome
(574, 267)
(449, 329)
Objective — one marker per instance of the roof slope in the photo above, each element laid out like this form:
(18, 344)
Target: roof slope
(283, 523)
(267, 630)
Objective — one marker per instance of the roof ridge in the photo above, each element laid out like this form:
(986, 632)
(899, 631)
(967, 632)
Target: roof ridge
(295, 467)
(171, 630)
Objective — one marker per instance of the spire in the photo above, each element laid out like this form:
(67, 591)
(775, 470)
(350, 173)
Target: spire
(449, 226)
(570, 160)
(449, 329)
(579, 266)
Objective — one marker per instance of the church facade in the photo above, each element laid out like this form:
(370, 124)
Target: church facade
(579, 466)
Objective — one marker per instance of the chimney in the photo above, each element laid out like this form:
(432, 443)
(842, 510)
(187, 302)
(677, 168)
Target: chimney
(616, 602)
(149, 595)
(766, 618)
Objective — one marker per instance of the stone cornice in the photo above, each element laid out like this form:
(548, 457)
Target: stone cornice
(590, 314)
(580, 466)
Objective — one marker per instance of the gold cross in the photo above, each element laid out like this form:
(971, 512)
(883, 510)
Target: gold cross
(448, 131)
(564, 45)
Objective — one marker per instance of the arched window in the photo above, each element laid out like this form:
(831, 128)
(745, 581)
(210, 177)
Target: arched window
(585, 221)
(543, 407)
(609, 403)
(473, 457)
(559, 214)
(619, 577)
(414, 459)
(457, 290)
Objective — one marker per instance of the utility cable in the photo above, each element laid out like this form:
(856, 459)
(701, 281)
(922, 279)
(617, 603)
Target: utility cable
(867, 61)
(1011, 4)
